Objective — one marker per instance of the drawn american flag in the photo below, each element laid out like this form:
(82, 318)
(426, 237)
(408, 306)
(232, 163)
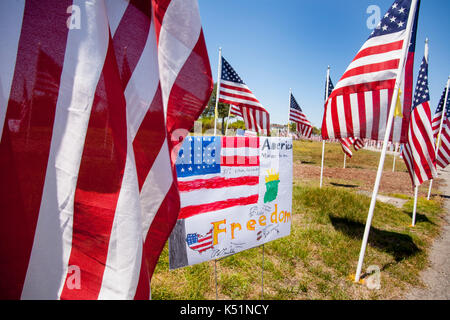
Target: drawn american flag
(199, 242)
(436, 122)
(89, 181)
(443, 156)
(244, 103)
(296, 115)
(419, 152)
(359, 104)
(207, 177)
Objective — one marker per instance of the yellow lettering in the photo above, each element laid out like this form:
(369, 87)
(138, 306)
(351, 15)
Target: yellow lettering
(288, 216)
(251, 224)
(281, 217)
(234, 226)
(262, 220)
(217, 230)
(273, 216)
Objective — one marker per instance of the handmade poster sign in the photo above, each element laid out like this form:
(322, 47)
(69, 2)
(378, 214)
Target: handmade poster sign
(236, 193)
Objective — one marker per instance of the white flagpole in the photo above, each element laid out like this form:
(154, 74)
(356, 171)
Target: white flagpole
(219, 69)
(345, 159)
(228, 120)
(409, 27)
(323, 141)
(395, 156)
(440, 131)
(416, 191)
(289, 113)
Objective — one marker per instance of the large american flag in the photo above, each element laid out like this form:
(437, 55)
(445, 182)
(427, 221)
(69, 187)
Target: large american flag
(419, 152)
(443, 156)
(436, 122)
(296, 115)
(87, 179)
(359, 104)
(244, 103)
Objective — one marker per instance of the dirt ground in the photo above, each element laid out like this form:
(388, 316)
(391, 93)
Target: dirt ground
(361, 179)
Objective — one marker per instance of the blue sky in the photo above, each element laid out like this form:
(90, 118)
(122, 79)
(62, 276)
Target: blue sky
(278, 45)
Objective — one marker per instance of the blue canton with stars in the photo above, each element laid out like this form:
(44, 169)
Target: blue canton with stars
(441, 105)
(394, 20)
(294, 104)
(198, 156)
(229, 74)
(422, 93)
(330, 88)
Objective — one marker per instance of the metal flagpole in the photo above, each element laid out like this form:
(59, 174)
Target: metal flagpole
(219, 68)
(289, 113)
(345, 159)
(262, 274)
(440, 130)
(416, 191)
(395, 156)
(373, 201)
(228, 120)
(323, 141)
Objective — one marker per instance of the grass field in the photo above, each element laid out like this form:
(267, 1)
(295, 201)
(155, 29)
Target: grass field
(316, 260)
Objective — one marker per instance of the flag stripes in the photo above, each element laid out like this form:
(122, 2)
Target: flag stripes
(443, 156)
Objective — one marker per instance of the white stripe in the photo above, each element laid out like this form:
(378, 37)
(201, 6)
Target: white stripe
(387, 38)
(178, 36)
(342, 116)
(239, 152)
(389, 74)
(115, 10)
(369, 113)
(235, 84)
(155, 187)
(11, 15)
(143, 84)
(384, 100)
(239, 101)
(375, 58)
(241, 93)
(329, 120)
(355, 114)
(83, 62)
(205, 196)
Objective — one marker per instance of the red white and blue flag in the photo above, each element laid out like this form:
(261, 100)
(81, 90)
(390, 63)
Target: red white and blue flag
(436, 122)
(244, 103)
(419, 152)
(443, 156)
(360, 102)
(347, 143)
(296, 115)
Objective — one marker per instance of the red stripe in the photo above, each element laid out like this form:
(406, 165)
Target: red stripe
(218, 182)
(239, 161)
(335, 118)
(379, 49)
(364, 87)
(375, 114)
(369, 68)
(407, 100)
(226, 86)
(229, 96)
(99, 182)
(348, 115)
(191, 211)
(242, 104)
(362, 114)
(24, 154)
(240, 142)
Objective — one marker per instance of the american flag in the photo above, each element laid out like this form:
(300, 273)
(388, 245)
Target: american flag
(419, 152)
(89, 182)
(443, 156)
(244, 103)
(436, 122)
(296, 115)
(347, 143)
(200, 243)
(201, 168)
(359, 104)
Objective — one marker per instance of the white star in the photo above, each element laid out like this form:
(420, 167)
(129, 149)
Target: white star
(401, 10)
(395, 6)
(400, 24)
(393, 19)
(384, 28)
(386, 15)
(190, 168)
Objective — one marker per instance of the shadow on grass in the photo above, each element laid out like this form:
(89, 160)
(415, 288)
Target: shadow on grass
(419, 217)
(400, 246)
(344, 185)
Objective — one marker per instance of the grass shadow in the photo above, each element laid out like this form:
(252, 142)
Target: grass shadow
(344, 185)
(419, 217)
(400, 246)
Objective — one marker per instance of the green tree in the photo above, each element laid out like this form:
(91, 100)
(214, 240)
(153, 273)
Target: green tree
(222, 108)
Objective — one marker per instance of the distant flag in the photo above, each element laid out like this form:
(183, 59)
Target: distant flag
(330, 88)
(443, 156)
(244, 103)
(419, 152)
(359, 104)
(347, 143)
(296, 115)
(436, 122)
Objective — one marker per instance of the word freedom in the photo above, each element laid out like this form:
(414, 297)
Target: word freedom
(229, 309)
